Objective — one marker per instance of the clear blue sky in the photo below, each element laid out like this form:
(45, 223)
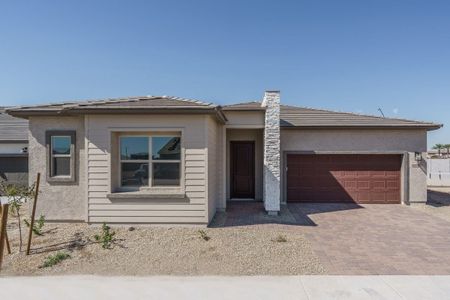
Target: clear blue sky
(343, 55)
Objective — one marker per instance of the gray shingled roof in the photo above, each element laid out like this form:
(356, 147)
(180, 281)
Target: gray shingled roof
(12, 129)
(293, 116)
(120, 103)
(143, 104)
(252, 105)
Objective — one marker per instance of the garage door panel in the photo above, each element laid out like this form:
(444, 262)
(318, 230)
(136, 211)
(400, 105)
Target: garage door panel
(344, 178)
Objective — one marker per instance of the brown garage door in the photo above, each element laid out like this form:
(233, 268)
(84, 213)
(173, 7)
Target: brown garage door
(343, 178)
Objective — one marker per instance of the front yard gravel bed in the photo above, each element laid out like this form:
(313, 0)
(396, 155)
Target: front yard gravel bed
(238, 250)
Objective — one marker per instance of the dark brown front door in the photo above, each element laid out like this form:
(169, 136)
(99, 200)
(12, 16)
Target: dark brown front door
(353, 178)
(242, 169)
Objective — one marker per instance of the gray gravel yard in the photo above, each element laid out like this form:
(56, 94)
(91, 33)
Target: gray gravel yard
(438, 203)
(238, 250)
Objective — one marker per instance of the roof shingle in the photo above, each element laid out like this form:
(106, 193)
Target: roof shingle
(12, 129)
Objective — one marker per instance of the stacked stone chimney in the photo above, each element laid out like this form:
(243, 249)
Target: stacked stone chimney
(271, 181)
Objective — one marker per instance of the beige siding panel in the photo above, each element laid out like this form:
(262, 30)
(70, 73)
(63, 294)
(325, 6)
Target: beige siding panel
(195, 164)
(195, 157)
(195, 151)
(99, 200)
(201, 200)
(97, 157)
(96, 151)
(197, 170)
(97, 175)
(93, 169)
(94, 194)
(195, 182)
(194, 176)
(154, 220)
(195, 194)
(193, 188)
(147, 213)
(98, 188)
(99, 182)
(147, 207)
(96, 163)
(99, 170)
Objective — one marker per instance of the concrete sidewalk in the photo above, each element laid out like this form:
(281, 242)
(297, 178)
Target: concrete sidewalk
(291, 287)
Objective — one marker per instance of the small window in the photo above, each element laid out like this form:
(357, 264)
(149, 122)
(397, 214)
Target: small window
(150, 161)
(60, 165)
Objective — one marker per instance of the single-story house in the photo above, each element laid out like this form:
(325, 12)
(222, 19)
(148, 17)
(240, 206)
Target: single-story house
(13, 149)
(169, 160)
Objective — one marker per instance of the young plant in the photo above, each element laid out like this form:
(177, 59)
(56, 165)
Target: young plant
(204, 235)
(55, 259)
(17, 195)
(106, 237)
(37, 226)
(280, 239)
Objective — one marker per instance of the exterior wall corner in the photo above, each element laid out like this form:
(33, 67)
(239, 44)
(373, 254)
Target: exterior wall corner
(272, 166)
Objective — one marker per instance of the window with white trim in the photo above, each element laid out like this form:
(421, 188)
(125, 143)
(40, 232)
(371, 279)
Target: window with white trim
(147, 160)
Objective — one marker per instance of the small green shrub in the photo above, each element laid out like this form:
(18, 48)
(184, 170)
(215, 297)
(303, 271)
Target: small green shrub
(37, 226)
(55, 259)
(106, 237)
(280, 239)
(204, 235)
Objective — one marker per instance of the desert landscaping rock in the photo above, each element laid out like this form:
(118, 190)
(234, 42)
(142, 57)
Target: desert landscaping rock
(239, 250)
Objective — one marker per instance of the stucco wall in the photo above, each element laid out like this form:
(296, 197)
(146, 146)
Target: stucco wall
(191, 210)
(214, 141)
(365, 141)
(255, 135)
(57, 201)
(245, 118)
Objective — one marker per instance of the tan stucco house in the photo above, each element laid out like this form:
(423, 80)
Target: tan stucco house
(168, 160)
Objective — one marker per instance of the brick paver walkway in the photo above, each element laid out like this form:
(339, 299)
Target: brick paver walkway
(377, 239)
(355, 239)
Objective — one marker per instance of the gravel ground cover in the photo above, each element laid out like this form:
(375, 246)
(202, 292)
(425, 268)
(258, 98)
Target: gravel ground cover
(266, 249)
(438, 203)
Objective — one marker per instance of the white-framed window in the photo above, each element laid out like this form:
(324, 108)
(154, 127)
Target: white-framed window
(149, 160)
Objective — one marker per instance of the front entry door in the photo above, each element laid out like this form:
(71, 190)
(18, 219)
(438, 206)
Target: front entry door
(242, 169)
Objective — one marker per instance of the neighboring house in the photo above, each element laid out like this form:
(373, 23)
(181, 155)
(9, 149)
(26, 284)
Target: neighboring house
(168, 160)
(13, 149)
(443, 153)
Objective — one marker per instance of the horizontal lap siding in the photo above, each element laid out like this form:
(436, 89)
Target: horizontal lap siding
(190, 210)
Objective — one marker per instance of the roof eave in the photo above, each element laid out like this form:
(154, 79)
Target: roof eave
(424, 126)
(216, 110)
(244, 109)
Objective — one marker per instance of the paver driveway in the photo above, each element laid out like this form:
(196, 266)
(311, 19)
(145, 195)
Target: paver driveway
(376, 239)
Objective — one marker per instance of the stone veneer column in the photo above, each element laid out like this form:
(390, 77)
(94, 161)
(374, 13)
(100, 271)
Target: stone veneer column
(271, 183)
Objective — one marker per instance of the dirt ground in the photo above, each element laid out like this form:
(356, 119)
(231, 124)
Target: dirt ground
(239, 250)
